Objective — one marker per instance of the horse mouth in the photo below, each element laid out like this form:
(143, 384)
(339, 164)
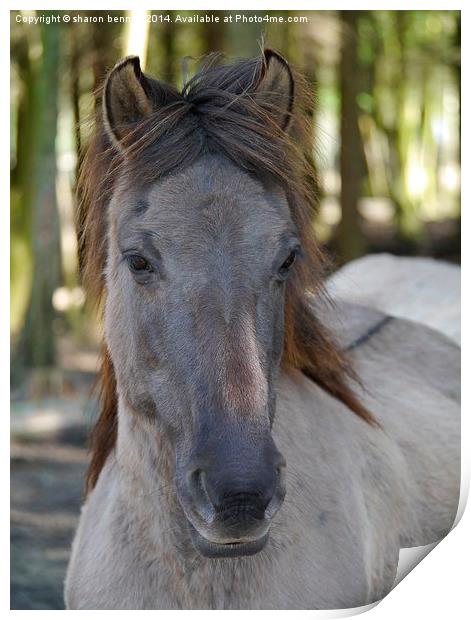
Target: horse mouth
(211, 549)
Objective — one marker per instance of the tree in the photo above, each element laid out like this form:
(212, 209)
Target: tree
(351, 241)
(168, 31)
(213, 37)
(37, 343)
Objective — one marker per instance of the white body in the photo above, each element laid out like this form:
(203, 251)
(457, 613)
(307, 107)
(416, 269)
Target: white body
(419, 289)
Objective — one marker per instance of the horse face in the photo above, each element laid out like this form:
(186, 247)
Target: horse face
(194, 320)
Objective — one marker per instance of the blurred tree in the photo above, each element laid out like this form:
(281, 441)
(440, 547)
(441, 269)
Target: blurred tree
(408, 224)
(22, 115)
(36, 346)
(350, 242)
(456, 64)
(168, 32)
(213, 36)
(103, 54)
(21, 172)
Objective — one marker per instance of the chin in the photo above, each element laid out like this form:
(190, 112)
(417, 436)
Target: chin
(211, 549)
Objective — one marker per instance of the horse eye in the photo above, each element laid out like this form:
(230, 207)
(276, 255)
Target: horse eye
(289, 262)
(138, 263)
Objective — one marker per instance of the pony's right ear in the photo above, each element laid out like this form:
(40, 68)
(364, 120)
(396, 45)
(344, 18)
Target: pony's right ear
(127, 98)
(276, 83)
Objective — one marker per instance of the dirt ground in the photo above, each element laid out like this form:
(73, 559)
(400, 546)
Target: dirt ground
(47, 471)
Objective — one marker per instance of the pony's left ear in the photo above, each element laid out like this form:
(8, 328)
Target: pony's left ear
(130, 96)
(126, 98)
(276, 87)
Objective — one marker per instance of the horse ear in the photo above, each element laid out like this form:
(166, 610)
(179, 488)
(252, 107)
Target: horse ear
(130, 96)
(126, 98)
(276, 87)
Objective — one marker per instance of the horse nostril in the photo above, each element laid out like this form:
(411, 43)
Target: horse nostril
(243, 504)
(243, 497)
(202, 502)
(281, 473)
(281, 465)
(279, 495)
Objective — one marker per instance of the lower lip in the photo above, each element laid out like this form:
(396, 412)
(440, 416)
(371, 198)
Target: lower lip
(229, 550)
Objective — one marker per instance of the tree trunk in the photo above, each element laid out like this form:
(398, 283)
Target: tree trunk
(213, 37)
(457, 72)
(22, 172)
(408, 222)
(169, 53)
(104, 53)
(37, 343)
(350, 241)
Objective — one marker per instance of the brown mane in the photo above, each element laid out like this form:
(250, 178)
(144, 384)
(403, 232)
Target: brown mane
(210, 116)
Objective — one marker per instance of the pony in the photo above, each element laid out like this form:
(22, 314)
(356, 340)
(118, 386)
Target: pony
(252, 450)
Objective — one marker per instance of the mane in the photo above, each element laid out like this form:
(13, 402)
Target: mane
(210, 116)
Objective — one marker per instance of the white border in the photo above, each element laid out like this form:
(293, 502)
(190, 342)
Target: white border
(440, 586)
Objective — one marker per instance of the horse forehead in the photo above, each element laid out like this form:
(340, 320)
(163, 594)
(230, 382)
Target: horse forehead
(211, 196)
(211, 173)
